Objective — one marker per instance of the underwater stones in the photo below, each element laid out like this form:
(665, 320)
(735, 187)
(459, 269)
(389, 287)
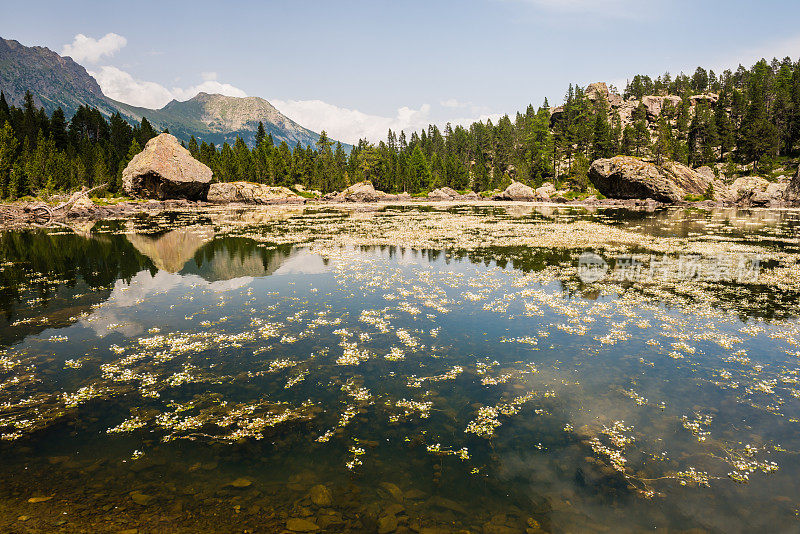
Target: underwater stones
(533, 527)
(328, 517)
(496, 528)
(393, 490)
(393, 509)
(321, 495)
(298, 524)
(146, 463)
(415, 494)
(447, 504)
(164, 169)
(301, 481)
(437, 530)
(142, 499)
(329, 520)
(387, 523)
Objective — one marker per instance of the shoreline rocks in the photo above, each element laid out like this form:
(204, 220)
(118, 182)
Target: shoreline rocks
(251, 193)
(359, 192)
(792, 193)
(756, 191)
(517, 191)
(165, 170)
(626, 177)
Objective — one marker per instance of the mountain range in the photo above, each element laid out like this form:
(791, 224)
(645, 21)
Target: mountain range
(57, 81)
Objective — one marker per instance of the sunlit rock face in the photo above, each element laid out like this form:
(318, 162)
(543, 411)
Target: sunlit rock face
(361, 192)
(250, 193)
(756, 191)
(517, 191)
(631, 178)
(792, 193)
(163, 170)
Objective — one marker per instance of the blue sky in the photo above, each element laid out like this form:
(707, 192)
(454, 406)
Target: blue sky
(356, 68)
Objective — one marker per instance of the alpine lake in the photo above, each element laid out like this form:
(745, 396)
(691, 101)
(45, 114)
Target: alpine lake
(402, 368)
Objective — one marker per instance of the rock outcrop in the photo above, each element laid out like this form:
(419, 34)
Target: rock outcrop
(625, 108)
(251, 193)
(444, 193)
(631, 178)
(517, 191)
(756, 191)
(792, 193)
(708, 98)
(447, 193)
(164, 169)
(599, 91)
(361, 192)
(655, 104)
(689, 180)
(546, 191)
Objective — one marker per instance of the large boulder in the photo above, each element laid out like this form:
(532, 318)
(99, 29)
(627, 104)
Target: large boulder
(516, 191)
(361, 192)
(792, 193)
(164, 169)
(546, 191)
(444, 193)
(251, 193)
(627, 177)
(756, 191)
(689, 180)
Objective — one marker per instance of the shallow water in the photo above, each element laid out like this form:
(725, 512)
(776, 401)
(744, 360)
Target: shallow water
(440, 368)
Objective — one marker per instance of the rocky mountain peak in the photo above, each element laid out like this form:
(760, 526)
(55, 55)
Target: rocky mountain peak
(53, 80)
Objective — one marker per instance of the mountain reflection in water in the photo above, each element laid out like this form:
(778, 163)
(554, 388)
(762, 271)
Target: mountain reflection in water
(230, 372)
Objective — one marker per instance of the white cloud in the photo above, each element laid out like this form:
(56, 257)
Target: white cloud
(350, 125)
(453, 103)
(340, 123)
(120, 85)
(89, 49)
(208, 86)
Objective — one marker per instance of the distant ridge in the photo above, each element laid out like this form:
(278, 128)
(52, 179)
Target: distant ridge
(218, 118)
(57, 81)
(53, 80)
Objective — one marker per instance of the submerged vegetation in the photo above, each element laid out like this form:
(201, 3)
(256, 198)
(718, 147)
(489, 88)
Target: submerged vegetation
(315, 362)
